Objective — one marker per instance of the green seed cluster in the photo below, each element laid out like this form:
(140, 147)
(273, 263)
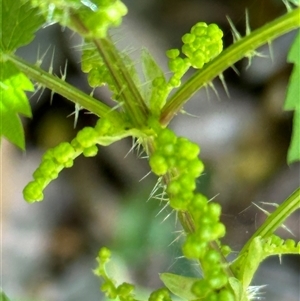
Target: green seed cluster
(176, 160)
(124, 291)
(177, 157)
(63, 155)
(94, 66)
(161, 294)
(202, 288)
(207, 228)
(200, 45)
(276, 245)
(60, 157)
(96, 15)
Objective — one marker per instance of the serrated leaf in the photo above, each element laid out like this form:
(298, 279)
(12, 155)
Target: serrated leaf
(18, 22)
(180, 286)
(237, 288)
(154, 95)
(13, 101)
(251, 262)
(292, 101)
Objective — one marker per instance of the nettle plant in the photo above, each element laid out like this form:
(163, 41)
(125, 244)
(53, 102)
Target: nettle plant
(144, 108)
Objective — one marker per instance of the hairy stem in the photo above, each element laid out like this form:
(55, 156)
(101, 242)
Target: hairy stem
(66, 90)
(134, 104)
(273, 222)
(227, 58)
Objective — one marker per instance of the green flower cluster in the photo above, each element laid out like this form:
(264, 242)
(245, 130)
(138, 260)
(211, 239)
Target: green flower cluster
(276, 245)
(124, 291)
(176, 159)
(53, 161)
(98, 72)
(56, 159)
(93, 64)
(202, 44)
(96, 15)
(63, 155)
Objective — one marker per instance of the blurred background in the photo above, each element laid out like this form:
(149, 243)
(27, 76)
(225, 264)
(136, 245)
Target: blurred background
(49, 248)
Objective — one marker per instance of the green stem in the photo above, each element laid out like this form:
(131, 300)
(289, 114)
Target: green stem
(133, 102)
(188, 226)
(273, 222)
(59, 86)
(227, 58)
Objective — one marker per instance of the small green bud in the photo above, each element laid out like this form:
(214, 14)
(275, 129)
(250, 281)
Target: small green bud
(168, 149)
(104, 254)
(199, 29)
(188, 50)
(214, 211)
(196, 63)
(158, 81)
(174, 81)
(33, 192)
(172, 53)
(188, 38)
(176, 64)
(226, 250)
(48, 168)
(87, 137)
(199, 202)
(178, 203)
(103, 126)
(193, 248)
(201, 288)
(109, 289)
(195, 167)
(214, 31)
(125, 289)
(212, 296)
(63, 152)
(187, 182)
(219, 230)
(161, 294)
(212, 257)
(158, 164)
(205, 233)
(290, 243)
(226, 295)
(174, 188)
(166, 136)
(90, 151)
(218, 280)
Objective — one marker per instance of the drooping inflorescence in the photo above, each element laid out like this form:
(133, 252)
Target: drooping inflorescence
(176, 160)
(63, 155)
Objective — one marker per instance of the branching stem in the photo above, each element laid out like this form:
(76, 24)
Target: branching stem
(227, 58)
(61, 87)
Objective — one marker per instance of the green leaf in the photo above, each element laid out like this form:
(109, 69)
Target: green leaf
(180, 286)
(3, 297)
(13, 101)
(18, 22)
(251, 262)
(155, 91)
(237, 288)
(292, 101)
